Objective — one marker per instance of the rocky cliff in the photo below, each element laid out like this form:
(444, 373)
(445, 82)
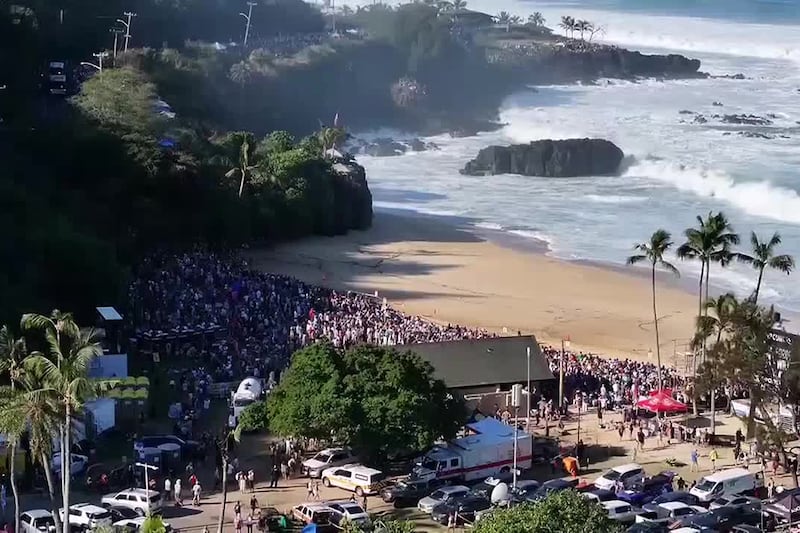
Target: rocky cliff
(352, 196)
(566, 61)
(562, 158)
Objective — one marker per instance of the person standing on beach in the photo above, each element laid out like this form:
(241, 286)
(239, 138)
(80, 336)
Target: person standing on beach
(693, 464)
(713, 456)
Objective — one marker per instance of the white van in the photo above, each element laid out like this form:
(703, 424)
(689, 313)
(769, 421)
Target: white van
(727, 483)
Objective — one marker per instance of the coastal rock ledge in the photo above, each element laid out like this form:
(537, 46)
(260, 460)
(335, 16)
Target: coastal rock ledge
(561, 158)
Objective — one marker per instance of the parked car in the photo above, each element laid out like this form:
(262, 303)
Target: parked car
(410, 491)
(619, 511)
(668, 512)
(464, 509)
(36, 521)
(554, 485)
(140, 500)
(723, 519)
(599, 495)
(133, 525)
(524, 488)
(675, 496)
(647, 527)
(640, 493)
(348, 511)
(121, 513)
(77, 467)
(484, 488)
(734, 501)
(312, 513)
(87, 516)
(442, 495)
(327, 458)
(154, 441)
(357, 478)
(623, 473)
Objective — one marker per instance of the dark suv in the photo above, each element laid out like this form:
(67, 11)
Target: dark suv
(409, 492)
(463, 508)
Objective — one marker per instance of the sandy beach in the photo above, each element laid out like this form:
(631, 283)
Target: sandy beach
(448, 272)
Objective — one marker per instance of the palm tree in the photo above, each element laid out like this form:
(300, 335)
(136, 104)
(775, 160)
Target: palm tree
(504, 18)
(458, 5)
(567, 24)
(12, 354)
(515, 20)
(764, 256)
(582, 26)
(653, 252)
(710, 243)
(725, 308)
(536, 19)
(240, 146)
(329, 138)
(64, 368)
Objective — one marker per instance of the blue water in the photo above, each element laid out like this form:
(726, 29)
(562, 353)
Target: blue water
(749, 11)
(680, 169)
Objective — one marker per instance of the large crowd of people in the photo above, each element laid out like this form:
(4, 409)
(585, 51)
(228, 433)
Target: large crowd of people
(236, 321)
(232, 321)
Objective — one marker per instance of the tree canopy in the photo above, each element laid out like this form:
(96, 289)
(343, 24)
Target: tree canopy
(564, 511)
(374, 398)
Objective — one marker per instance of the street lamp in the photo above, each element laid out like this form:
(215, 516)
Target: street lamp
(147, 480)
(116, 31)
(564, 348)
(99, 64)
(247, 18)
(516, 401)
(528, 419)
(127, 28)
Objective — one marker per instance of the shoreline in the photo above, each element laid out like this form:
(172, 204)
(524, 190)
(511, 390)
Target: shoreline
(447, 270)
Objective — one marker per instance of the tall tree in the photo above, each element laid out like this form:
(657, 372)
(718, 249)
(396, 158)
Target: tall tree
(536, 19)
(64, 366)
(12, 353)
(238, 154)
(567, 24)
(710, 242)
(376, 398)
(653, 252)
(763, 257)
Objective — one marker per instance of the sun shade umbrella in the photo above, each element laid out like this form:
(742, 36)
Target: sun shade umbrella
(661, 402)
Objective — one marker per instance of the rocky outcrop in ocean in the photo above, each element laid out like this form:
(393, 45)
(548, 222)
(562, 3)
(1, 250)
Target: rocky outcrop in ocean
(573, 60)
(386, 147)
(560, 158)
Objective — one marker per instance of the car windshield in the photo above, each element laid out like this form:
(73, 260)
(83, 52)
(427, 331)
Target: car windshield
(705, 485)
(377, 478)
(438, 495)
(322, 457)
(44, 523)
(353, 509)
(611, 475)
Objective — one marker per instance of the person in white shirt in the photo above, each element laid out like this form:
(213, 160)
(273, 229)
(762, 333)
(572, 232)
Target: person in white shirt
(167, 489)
(196, 494)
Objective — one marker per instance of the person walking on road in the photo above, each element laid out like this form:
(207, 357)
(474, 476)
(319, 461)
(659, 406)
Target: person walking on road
(167, 489)
(695, 457)
(178, 499)
(276, 473)
(713, 456)
(196, 489)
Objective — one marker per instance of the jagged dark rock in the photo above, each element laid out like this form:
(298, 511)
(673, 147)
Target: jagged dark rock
(351, 196)
(700, 119)
(559, 158)
(386, 147)
(750, 120)
(685, 112)
(717, 104)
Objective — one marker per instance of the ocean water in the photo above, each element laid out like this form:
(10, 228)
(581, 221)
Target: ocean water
(675, 170)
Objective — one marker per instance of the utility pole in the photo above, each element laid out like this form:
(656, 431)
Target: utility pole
(333, 13)
(247, 18)
(127, 25)
(116, 31)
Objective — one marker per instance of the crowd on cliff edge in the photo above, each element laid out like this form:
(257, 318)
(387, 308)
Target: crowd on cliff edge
(232, 321)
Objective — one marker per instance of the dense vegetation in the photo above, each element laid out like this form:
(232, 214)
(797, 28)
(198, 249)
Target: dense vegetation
(93, 181)
(381, 401)
(565, 512)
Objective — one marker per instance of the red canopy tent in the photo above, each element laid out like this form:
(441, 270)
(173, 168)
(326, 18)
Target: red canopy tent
(661, 401)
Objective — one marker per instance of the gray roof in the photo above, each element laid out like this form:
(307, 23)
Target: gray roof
(485, 362)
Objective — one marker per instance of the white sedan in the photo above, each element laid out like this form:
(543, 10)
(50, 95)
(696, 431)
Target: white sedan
(619, 511)
(78, 466)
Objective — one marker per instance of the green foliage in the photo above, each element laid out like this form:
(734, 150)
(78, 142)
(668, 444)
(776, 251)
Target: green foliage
(375, 398)
(153, 524)
(395, 526)
(119, 100)
(254, 417)
(565, 512)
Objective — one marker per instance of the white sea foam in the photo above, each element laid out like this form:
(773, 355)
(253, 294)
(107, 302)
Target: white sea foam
(679, 169)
